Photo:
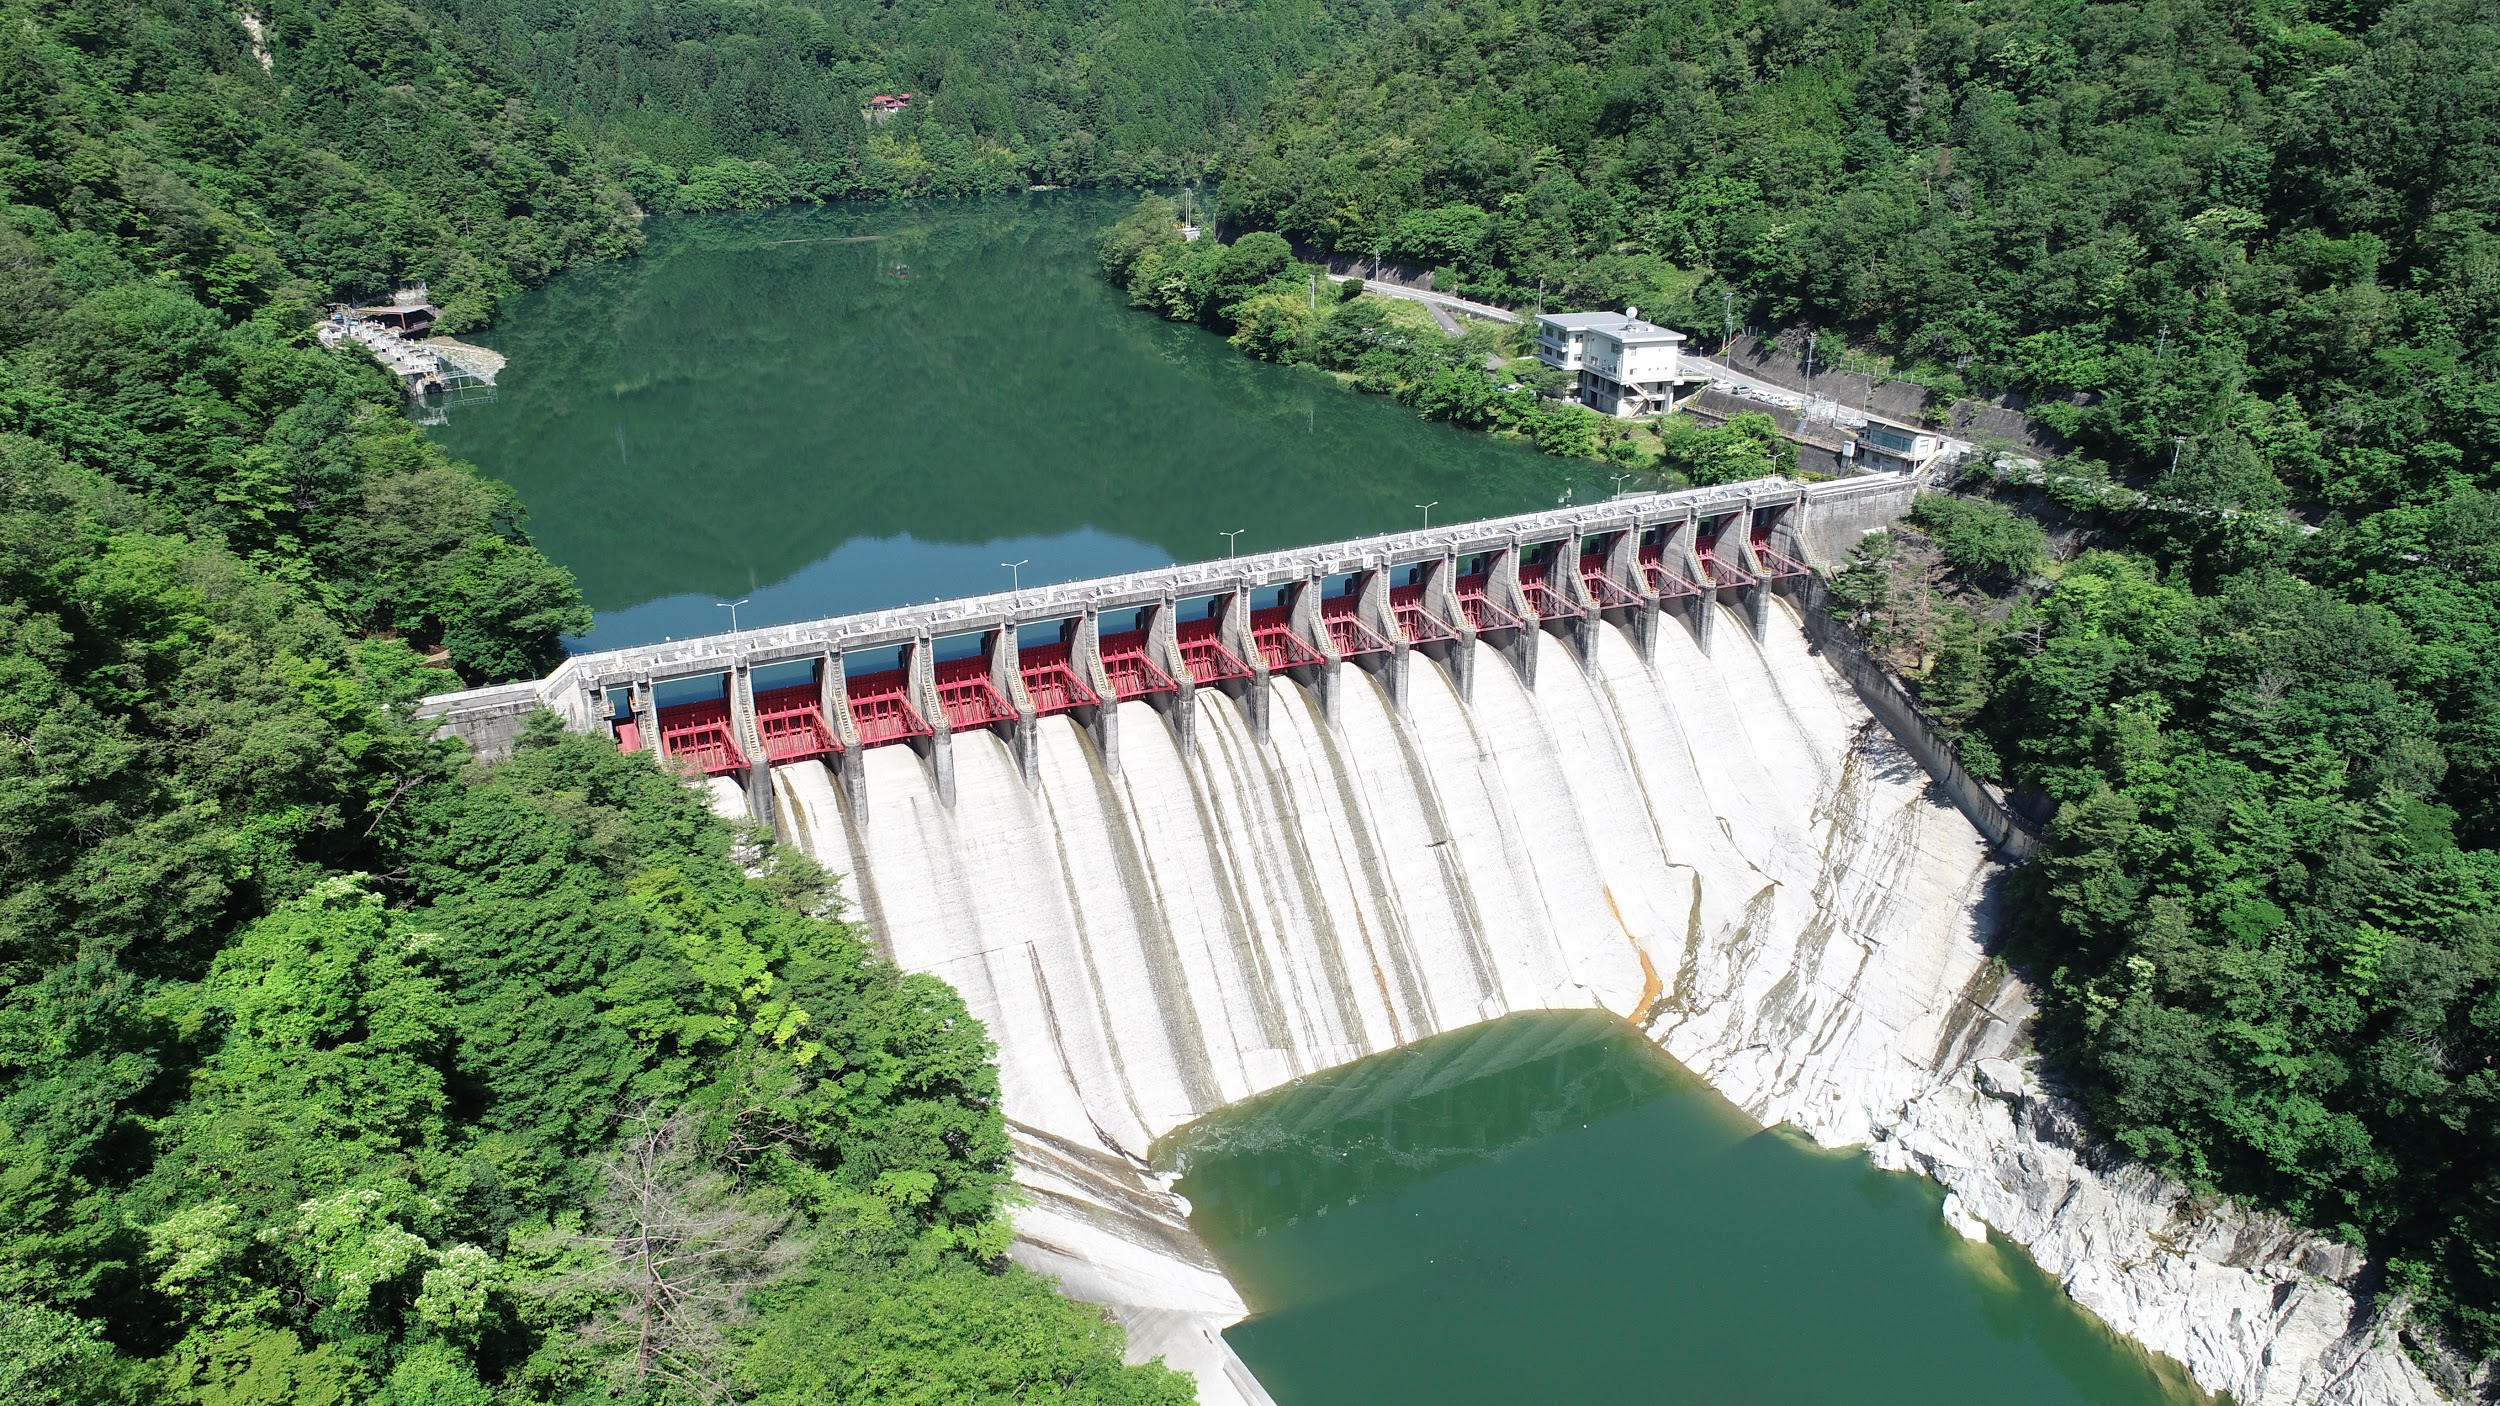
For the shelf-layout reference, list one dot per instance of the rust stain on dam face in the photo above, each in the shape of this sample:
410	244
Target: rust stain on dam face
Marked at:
1652	985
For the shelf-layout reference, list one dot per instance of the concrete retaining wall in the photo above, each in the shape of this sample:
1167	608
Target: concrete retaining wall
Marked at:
1900	400
1841	513
1911	725
490	719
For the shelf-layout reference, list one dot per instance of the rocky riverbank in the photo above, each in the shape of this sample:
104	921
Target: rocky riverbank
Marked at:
2252	1304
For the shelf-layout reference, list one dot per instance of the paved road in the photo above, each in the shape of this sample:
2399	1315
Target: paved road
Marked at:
1814	407
1442	304
1727	378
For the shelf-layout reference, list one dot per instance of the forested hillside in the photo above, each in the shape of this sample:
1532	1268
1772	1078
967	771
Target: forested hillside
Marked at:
710	104
334	1069
2246	256
2163	203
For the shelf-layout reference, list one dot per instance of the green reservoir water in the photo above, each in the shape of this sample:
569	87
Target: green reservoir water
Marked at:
761	407
1550	1209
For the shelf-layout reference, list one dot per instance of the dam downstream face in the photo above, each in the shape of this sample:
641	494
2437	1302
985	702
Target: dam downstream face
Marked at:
1715	844
1548	1207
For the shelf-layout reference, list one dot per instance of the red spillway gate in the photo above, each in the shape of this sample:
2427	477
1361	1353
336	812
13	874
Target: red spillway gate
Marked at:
1609	593
793	725
1421	625
1719	569
964	690
1481	611
699	735
1668	584
1536	582
1774	564
881	709
1132	674
1342	616
1272	631
1208	660
1051	680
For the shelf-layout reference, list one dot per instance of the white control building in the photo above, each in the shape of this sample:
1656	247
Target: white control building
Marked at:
1896	449
1626	367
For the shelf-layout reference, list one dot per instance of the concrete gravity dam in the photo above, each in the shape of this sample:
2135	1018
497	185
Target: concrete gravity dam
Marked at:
1185	836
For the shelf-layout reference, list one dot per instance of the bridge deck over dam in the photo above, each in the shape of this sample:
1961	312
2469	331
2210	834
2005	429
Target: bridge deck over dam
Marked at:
916	676
1577	759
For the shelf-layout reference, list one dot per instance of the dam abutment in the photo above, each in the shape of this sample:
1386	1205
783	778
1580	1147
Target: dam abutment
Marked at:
1910	724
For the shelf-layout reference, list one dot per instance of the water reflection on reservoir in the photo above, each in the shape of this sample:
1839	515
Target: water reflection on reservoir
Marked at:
1549	1208
756	407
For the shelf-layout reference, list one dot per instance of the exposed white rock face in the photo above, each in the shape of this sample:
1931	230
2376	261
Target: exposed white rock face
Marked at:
2252	1304
1723	847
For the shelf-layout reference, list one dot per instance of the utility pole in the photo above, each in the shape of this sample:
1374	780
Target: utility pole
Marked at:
1809	356
1727	328
2177	443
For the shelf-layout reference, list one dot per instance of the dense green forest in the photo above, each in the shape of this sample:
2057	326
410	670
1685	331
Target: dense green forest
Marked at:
738	104
2241	649
333	1068
149	141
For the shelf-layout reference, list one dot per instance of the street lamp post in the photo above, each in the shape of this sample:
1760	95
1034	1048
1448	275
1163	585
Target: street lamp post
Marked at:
1015	577
732	607
1230	538
1427	510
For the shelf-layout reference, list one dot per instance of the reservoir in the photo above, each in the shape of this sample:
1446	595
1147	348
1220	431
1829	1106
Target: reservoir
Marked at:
854	407
1549	1208
824	411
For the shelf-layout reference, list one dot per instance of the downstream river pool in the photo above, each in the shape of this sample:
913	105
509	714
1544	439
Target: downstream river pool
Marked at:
854	407
1549	1209
823	411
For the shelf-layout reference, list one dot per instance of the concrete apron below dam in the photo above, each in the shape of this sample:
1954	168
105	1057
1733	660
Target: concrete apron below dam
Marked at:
1723	847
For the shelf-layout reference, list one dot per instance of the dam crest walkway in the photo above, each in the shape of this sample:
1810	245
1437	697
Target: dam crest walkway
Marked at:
731	706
